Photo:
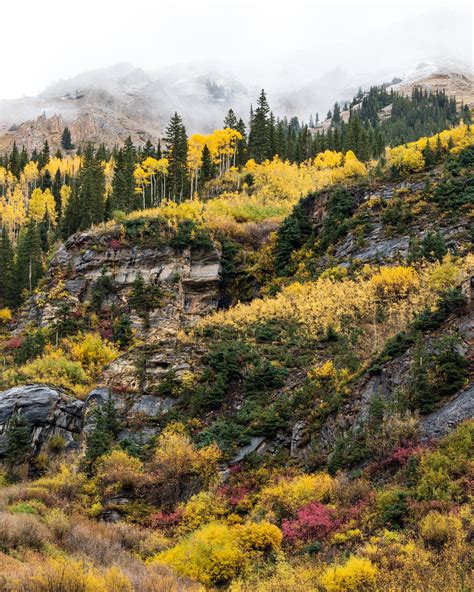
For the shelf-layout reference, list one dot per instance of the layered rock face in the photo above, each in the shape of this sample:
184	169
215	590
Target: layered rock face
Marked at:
189	279
49	412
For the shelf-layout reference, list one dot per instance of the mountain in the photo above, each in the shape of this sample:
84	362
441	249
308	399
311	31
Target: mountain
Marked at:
108	104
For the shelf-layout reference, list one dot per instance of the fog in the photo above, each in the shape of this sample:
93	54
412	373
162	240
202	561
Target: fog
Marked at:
280	45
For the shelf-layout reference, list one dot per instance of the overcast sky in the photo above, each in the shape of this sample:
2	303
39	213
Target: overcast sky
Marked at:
49	40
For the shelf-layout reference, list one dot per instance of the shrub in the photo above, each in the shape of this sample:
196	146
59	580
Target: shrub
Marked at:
217	553
203	507
179	468
356	575
286	496
5	316
314	522
66	574
392	507
120	469
439	529
259	537
66	483
210	555
57	522
22	530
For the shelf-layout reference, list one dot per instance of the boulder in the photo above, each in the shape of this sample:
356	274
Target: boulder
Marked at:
49	411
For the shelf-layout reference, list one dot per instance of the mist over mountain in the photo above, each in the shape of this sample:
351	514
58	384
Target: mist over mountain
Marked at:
107	104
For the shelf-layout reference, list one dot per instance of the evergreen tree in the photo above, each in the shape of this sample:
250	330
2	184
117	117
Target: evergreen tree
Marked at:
207	167
44	155
7	270
66	140
336	116
29	263
104	432
56	191
230	120
177	143
17	439
91	190
259	136
123	195
241	156
46	181
14	162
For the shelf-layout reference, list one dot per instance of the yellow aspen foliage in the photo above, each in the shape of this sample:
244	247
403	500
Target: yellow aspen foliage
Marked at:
40	204
405	159
13	211
341	305
65	193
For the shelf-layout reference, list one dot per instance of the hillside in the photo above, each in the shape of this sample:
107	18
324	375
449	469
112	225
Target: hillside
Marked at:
266	385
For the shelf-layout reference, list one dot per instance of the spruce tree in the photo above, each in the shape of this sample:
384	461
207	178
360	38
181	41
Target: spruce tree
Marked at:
230	120
177	144
207	167
259	135
17	439
91	190
123	195
66	140
29	263
44	155
7	270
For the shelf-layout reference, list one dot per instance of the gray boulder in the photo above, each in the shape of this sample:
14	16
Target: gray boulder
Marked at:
49	411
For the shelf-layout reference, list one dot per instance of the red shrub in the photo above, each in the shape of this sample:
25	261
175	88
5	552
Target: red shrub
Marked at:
166	521
14	343
314	522
115	244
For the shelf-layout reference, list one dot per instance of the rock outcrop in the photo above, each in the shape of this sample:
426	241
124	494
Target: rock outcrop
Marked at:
49	412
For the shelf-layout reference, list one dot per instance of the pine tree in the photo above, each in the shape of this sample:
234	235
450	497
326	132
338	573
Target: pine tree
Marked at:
7	270
241	156
123	195
17	439
336	115
230	120
106	428
29	264
259	136
44	155
207	167
91	190
177	144
56	191
14	162
66	140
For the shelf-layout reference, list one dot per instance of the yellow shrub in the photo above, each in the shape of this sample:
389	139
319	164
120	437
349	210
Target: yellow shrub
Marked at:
439	529
119	468
395	281
357	574
445	275
203	507
176	455
210	555
5	316
91	351
217	552
259	537
67	483
286	496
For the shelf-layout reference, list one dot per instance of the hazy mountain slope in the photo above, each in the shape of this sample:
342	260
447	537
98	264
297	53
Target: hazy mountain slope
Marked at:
108	104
